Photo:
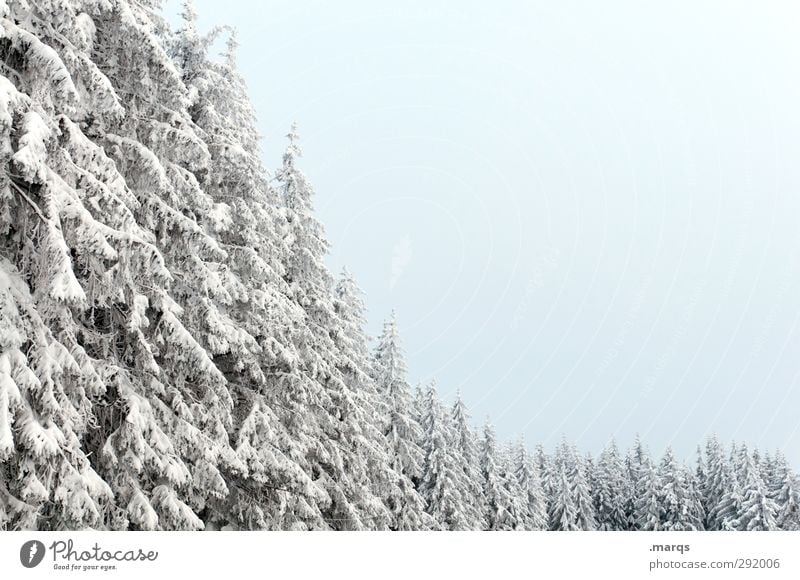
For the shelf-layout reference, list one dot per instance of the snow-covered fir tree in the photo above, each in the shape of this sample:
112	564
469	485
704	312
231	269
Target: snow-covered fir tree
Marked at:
714	483
571	506
260	355
466	446
529	480
443	484
611	490
788	497
758	511
562	513
500	507
695	513
518	497
724	513
402	431
581	492
333	436
103	279
677	499
648	513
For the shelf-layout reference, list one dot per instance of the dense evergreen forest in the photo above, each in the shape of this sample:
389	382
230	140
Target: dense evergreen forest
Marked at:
176	355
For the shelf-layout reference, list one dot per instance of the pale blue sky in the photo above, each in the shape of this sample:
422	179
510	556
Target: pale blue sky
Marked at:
584	213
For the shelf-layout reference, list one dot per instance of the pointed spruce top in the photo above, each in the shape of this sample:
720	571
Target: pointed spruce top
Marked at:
189	16
231	47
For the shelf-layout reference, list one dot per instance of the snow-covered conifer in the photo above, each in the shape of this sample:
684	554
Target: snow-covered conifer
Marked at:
724	513
402	432
442	483
610	490
648	513
530	484
788	499
111	350
327	383
677	500
466	446
499	514
758	511
562	510
585	518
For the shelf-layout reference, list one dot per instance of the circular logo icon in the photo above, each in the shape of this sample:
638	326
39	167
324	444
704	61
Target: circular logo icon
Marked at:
31	553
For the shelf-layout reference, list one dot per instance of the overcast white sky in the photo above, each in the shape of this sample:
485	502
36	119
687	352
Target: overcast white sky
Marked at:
585	213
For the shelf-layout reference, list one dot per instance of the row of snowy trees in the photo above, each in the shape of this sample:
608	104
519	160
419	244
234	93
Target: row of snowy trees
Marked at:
175	354
467	482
